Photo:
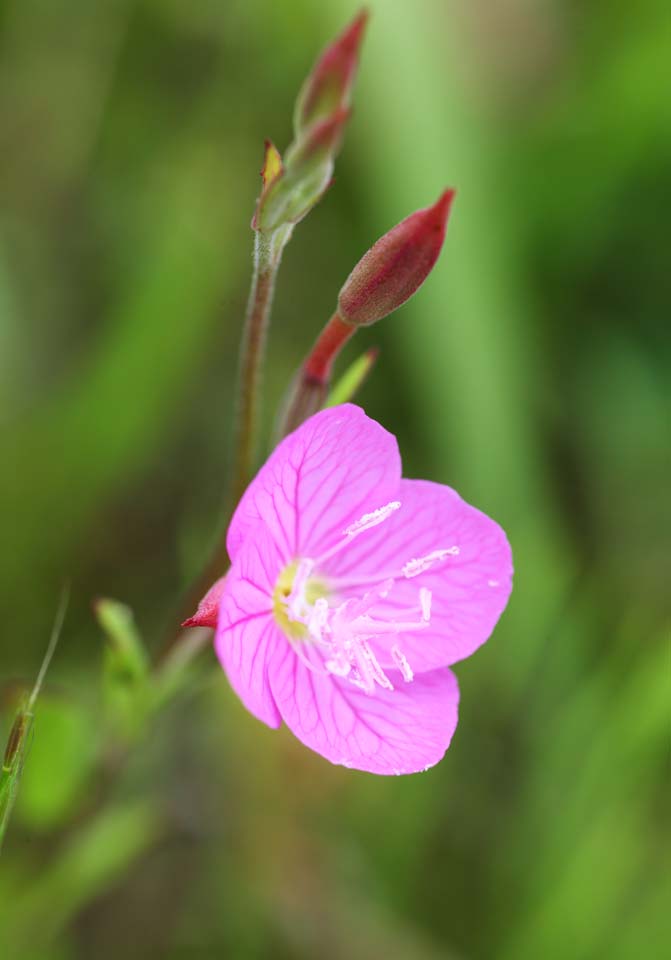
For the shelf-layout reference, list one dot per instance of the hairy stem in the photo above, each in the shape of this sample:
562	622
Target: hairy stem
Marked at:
267	256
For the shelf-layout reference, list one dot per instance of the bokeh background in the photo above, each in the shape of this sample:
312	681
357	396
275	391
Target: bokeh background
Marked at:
531	373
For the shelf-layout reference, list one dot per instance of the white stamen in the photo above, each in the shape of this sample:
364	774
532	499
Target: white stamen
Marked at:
377	673
364	523
317	621
371	519
420	564
402	663
425	603
336	639
365	678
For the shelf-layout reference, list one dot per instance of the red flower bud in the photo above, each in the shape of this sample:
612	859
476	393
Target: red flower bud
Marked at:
321	143
306	175
329	83
396	266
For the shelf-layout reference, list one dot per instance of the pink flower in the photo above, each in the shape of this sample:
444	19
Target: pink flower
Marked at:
350	593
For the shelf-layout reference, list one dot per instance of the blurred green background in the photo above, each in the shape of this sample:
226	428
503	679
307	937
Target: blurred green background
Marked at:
531	373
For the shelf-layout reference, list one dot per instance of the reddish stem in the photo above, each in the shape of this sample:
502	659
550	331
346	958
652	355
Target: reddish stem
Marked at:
330	342
312	383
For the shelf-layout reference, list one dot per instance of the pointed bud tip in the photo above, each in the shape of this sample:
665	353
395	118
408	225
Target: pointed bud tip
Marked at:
342	54
442	206
329	83
352	35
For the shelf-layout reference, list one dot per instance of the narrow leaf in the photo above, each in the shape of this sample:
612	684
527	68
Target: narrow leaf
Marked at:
352	379
15	752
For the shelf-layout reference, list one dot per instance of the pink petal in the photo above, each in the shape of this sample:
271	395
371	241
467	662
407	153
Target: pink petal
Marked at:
469	591
389	732
336	467
247	635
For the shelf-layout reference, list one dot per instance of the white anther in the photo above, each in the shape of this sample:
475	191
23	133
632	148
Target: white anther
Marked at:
402	663
425	603
317	621
376	671
420	564
371	519
296	599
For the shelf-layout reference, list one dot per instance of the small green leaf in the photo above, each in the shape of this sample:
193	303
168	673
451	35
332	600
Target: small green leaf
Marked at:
126	682
12	767
352	379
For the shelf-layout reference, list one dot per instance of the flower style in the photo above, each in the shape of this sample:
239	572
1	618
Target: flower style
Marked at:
350	593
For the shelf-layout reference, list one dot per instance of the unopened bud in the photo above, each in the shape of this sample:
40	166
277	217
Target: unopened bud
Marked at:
305	177
396	266
321	143
329	84
291	188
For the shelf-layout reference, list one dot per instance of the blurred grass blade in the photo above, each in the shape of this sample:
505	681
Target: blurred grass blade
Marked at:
17	742
353	378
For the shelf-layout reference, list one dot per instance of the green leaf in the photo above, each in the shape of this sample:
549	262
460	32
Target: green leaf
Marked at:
352	379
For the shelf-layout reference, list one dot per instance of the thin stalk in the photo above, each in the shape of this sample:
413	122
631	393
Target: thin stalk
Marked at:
267	256
311	386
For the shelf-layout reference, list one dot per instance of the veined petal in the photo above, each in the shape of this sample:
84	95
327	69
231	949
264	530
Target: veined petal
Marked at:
404	730
247	635
469	587
323	477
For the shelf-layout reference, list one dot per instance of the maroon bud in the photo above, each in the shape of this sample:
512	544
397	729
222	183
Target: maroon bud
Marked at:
329	83
396	266
321	143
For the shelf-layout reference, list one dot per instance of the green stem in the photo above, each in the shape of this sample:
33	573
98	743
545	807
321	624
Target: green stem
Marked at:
267	257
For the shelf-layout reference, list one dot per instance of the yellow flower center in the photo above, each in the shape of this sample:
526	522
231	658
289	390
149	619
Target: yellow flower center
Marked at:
314	589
